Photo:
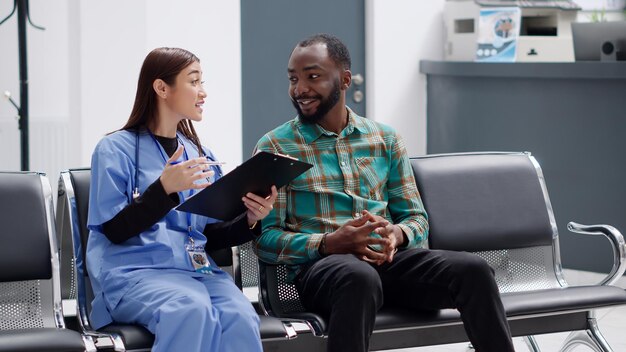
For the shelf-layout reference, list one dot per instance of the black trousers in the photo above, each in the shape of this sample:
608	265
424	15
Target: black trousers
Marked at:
348	292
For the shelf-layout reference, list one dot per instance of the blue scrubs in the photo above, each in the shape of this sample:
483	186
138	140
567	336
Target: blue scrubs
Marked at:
149	279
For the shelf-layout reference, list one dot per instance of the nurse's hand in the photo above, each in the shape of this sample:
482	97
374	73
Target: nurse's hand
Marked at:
181	176
259	207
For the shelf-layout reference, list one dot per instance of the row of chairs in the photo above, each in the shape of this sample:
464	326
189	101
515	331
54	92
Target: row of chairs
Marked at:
72	209
42	269
493	204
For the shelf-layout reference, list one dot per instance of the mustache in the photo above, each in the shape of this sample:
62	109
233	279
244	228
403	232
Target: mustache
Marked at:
307	97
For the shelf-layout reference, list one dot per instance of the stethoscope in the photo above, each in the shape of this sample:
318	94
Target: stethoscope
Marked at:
136	194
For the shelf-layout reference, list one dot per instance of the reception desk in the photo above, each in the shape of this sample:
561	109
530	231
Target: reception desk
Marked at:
570	116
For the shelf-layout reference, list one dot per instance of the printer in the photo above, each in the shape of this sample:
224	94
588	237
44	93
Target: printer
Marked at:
545	29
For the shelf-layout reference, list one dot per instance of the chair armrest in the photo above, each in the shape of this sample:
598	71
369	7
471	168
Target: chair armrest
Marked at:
617	244
305	326
297	323
270	306
116	341
86	330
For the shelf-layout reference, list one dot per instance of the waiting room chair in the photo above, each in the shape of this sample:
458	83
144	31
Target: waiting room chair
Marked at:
73	202
74	187
31	317
497	206
246	274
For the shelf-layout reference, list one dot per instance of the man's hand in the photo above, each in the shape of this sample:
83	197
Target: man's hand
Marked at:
393	233
354	237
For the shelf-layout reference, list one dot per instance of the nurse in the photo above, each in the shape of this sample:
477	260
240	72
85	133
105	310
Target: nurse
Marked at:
147	261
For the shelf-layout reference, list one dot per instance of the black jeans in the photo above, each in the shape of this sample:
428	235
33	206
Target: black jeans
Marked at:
348	292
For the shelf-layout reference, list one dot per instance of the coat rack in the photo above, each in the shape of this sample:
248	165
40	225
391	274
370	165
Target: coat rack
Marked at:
23	14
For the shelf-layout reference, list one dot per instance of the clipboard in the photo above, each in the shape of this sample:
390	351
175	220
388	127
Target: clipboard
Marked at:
222	199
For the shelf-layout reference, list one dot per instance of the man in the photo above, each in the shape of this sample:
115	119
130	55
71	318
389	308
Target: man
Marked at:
351	228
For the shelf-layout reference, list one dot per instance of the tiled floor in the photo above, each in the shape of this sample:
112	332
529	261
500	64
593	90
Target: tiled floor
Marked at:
612	323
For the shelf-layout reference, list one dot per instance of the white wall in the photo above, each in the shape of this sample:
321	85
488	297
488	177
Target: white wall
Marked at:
115	37
83	73
400	33
48	72
84	68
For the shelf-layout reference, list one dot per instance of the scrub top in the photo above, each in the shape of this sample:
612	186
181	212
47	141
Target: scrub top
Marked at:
116	268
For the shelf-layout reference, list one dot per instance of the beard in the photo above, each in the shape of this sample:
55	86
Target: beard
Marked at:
324	107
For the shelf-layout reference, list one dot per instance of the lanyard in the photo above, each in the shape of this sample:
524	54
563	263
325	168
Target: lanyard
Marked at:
135	185
180	194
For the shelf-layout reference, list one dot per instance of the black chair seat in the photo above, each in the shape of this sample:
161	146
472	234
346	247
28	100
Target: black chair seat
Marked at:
396	318
551	301
41	340
557	300
392	318
571	299
135	337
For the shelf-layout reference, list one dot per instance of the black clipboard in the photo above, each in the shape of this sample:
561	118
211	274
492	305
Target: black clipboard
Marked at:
222	199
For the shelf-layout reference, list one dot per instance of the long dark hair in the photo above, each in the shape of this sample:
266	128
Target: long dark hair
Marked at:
165	64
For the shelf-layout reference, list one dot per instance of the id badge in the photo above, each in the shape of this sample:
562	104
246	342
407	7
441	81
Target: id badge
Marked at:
199	259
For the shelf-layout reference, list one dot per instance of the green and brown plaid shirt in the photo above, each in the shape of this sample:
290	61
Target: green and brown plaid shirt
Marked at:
365	167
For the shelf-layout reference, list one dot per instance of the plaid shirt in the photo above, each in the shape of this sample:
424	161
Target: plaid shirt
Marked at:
365	167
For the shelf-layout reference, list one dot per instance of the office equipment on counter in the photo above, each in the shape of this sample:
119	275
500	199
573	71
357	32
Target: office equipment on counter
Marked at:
601	41
545	29
498	32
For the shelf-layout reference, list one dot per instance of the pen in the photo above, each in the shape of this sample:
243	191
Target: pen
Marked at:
213	162
210	163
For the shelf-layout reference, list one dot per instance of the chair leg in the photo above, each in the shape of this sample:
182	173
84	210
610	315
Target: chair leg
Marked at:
531	343
592	338
597	337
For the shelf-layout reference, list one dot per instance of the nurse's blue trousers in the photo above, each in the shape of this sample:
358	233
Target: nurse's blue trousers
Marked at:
191	313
